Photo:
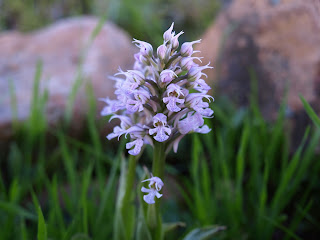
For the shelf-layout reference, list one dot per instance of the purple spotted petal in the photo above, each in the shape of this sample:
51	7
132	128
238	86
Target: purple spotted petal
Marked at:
204	129
190	123
172	103
137	144
134	106
160	117
162	133
149	198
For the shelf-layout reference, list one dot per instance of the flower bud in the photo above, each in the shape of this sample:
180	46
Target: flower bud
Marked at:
175	42
187	49
167	76
168	35
195	72
187	62
162	52
146	49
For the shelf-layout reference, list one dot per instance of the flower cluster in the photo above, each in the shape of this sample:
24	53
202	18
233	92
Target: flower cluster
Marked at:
163	98
155	186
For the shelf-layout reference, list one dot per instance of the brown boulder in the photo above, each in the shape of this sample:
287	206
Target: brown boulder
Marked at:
278	41
59	48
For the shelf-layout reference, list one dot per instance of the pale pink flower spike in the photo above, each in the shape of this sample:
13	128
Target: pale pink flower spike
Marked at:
163	98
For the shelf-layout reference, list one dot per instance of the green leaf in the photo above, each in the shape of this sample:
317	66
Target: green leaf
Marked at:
23	230
14	191
240	166
283	228
125	209
56	207
17	210
80	236
204	233
311	113
13	105
107	193
42	228
84	203
68	162
79	74
169	227
143	232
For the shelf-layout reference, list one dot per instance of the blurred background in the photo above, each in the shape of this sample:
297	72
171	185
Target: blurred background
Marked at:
141	19
257	172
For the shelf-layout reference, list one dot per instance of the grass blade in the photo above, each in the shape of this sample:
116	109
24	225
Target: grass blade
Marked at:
311	113
17	210
42	228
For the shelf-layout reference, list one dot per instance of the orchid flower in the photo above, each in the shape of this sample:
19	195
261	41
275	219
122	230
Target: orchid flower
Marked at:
160	128
155	186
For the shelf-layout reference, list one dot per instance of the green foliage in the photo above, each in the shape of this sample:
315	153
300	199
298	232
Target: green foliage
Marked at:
203	233
244	177
32	14
124	222
75	200
42	229
313	116
143	19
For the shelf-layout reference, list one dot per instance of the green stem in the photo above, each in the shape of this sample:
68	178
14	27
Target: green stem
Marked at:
153	215
159	158
130	180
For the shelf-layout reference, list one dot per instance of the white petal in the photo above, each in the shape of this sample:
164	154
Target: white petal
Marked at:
146	190
176	143
149	198
158	195
205	129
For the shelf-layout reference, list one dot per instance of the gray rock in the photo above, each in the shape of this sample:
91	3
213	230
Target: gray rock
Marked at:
59	47
279	43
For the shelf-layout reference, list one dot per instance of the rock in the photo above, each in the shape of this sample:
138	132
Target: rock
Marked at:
59	47
278	41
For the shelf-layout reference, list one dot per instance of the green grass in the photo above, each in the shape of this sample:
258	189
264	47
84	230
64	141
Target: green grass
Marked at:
53	185
143	19
242	176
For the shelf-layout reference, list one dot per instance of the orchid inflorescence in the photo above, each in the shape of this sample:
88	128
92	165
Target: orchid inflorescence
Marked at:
162	98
